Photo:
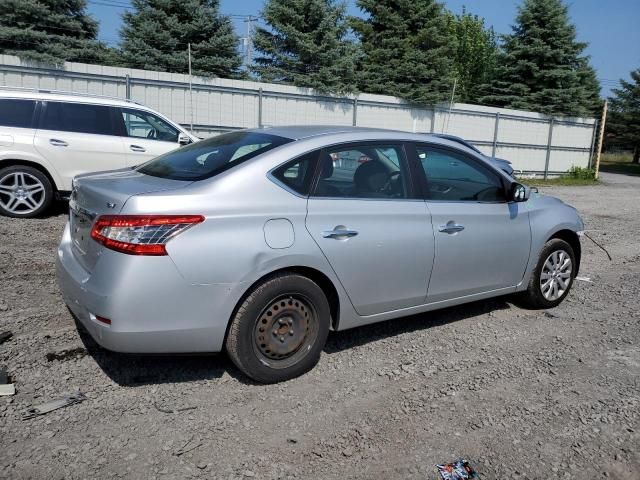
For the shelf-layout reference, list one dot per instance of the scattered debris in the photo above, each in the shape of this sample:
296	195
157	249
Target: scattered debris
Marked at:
173	410
66	354
458	470
603	249
184	448
6	388
54	405
584	279
4	336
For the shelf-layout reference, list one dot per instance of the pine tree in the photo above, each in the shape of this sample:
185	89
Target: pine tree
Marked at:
541	68
50	31
476	53
623	127
408	50
156	35
306	45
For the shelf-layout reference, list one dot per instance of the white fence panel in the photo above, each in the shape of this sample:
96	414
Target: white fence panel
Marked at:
221	105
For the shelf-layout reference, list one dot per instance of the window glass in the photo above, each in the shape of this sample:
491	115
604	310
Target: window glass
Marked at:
78	117
363	171
140	124
211	156
297	174
456	178
16	113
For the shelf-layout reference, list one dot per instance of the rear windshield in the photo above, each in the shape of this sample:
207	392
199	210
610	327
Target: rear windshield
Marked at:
209	157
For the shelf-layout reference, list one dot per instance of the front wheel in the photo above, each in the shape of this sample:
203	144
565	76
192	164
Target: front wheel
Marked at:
553	276
280	329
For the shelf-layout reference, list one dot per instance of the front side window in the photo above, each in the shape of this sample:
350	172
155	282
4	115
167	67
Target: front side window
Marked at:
363	171
453	177
140	124
212	156
78	117
16	113
298	174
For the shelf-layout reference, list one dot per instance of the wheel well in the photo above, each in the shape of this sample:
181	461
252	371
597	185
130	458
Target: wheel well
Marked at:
27	163
572	239
311	273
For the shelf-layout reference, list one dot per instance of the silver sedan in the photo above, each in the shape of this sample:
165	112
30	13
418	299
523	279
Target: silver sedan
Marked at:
259	242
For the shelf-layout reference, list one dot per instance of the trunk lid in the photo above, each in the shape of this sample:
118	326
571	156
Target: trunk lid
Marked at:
105	193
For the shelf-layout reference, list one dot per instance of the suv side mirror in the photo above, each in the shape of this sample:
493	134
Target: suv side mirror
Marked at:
519	192
183	140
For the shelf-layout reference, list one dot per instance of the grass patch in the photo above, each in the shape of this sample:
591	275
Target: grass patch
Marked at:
619	163
576	176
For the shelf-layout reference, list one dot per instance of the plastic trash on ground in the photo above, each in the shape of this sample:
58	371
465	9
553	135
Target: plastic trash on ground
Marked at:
458	470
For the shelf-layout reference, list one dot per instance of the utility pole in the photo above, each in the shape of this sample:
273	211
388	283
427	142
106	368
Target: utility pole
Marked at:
453	94
249	19
190	90
599	151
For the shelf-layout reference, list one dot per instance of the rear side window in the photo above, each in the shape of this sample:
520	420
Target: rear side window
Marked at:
16	113
210	157
78	117
298	174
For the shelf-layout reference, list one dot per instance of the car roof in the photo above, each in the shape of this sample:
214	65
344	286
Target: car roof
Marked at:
44	94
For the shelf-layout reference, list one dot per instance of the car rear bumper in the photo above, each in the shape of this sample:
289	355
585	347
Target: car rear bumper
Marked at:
152	308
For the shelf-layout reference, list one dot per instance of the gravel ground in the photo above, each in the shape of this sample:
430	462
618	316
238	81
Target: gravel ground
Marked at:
520	394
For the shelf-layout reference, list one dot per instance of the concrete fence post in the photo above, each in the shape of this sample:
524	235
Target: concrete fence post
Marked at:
433	120
127	84
495	135
260	107
546	163
354	121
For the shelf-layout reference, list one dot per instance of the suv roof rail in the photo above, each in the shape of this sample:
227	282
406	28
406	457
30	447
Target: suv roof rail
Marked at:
66	92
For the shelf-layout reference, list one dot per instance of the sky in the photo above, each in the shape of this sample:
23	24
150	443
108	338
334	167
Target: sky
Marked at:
610	27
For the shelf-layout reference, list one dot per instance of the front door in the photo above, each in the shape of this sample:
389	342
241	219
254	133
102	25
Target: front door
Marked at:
146	135
377	238
482	242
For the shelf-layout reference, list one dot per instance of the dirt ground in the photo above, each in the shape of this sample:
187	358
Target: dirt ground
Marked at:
520	394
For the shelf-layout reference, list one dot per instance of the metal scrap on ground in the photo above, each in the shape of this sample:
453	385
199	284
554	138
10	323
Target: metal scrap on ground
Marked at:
54	405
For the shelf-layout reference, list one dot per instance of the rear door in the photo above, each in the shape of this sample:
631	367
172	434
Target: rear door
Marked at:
79	138
146	135
482	242
370	225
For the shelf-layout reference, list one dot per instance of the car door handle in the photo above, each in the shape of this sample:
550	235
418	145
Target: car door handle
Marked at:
339	233
450	227
58	143
137	148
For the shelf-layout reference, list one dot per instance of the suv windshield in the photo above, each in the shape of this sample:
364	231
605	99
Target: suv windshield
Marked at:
212	156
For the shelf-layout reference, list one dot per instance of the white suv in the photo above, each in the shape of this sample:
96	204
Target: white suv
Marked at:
47	138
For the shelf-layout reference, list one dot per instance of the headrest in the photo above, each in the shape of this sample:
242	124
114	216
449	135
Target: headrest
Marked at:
326	166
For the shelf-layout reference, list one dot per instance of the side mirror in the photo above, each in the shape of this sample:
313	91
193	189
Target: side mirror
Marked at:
183	140
519	192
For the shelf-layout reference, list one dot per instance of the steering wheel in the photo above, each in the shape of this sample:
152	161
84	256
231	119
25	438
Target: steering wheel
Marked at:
153	133
387	187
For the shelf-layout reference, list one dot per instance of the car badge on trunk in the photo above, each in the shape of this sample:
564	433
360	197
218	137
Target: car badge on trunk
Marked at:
111	205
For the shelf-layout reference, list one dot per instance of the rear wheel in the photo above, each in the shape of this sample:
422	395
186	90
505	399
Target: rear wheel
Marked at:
280	329
25	192
553	276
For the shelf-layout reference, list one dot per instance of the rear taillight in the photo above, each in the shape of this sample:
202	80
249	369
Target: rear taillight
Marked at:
140	234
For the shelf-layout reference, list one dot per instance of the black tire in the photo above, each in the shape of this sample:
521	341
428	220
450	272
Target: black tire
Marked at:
286	312
42	198
533	297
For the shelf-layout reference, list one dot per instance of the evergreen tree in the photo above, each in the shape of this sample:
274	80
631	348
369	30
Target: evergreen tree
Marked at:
623	126
541	68
475	57
306	45
408	50
50	31
155	37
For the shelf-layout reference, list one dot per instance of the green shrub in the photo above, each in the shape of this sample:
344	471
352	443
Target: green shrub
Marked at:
582	173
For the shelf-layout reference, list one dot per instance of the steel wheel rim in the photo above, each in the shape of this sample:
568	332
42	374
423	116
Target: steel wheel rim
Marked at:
21	193
285	330
555	276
